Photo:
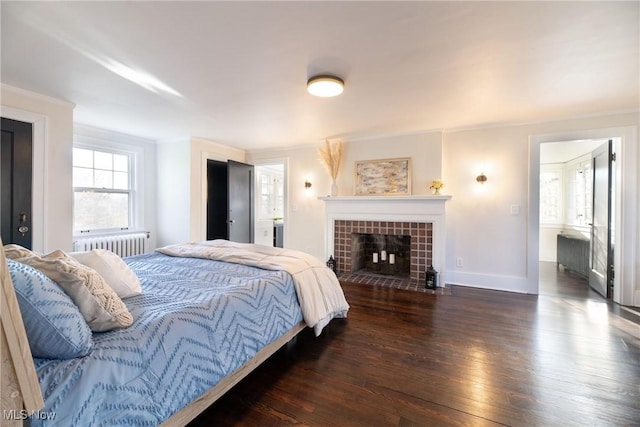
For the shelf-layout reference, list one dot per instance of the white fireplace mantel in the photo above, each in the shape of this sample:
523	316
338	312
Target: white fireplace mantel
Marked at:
428	209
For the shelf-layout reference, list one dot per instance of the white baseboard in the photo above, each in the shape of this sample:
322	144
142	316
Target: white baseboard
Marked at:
518	284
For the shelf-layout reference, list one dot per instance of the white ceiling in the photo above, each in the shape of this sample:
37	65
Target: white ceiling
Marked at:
236	72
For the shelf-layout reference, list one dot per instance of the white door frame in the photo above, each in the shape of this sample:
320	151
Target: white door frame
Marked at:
626	209
39	167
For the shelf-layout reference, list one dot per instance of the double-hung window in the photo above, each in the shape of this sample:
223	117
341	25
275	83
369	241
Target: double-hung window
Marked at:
103	190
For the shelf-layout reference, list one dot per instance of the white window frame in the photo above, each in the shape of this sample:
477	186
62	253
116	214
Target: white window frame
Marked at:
130	191
112	142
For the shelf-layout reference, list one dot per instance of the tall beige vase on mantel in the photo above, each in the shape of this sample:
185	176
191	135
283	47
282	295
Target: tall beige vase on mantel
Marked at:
331	156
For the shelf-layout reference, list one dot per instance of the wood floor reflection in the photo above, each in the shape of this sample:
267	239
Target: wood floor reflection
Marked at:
475	357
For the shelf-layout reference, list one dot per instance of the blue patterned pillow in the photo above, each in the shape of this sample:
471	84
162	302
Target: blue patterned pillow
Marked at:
55	327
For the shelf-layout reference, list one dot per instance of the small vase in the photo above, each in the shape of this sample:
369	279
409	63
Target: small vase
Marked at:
334	188
436	191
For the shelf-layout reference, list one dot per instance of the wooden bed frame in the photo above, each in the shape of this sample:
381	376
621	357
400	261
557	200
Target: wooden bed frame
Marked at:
20	389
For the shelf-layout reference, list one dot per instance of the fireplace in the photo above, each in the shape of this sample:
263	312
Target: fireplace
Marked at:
417	220
356	242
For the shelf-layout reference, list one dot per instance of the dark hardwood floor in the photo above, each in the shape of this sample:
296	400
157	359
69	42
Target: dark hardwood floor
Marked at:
475	357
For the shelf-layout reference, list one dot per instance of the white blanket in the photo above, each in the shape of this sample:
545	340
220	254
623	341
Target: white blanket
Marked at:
319	292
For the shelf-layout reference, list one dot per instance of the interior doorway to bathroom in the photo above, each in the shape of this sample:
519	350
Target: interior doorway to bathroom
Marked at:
271	185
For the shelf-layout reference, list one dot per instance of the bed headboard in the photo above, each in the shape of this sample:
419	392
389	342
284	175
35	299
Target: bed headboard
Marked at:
20	387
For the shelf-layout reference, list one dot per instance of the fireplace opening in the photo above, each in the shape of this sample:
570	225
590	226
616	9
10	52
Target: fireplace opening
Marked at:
381	254
420	256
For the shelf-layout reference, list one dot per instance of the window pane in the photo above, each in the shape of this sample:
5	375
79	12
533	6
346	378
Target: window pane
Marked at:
549	196
83	158
120	163
121	180
103	160
82	177
104	179
95	210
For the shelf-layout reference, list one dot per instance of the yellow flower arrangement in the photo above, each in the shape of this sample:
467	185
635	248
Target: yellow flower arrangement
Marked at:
436	185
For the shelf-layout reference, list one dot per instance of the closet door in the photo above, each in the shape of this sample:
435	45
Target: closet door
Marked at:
217	227
15	182
241	202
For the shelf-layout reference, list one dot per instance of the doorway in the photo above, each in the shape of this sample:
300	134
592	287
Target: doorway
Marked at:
271	185
624	209
567	214
230	201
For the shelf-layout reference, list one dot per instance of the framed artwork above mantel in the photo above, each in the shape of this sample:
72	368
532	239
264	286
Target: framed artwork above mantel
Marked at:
384	177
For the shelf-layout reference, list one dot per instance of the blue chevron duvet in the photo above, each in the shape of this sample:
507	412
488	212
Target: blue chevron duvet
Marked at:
196	321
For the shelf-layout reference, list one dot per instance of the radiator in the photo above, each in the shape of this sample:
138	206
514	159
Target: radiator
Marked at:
573	254
126	244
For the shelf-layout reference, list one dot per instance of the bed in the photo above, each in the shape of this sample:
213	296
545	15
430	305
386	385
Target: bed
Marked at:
207	315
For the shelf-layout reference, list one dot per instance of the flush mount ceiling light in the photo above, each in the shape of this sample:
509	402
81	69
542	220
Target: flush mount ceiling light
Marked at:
325	86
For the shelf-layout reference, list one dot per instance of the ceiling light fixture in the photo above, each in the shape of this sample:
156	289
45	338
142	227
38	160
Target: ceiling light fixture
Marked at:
325	86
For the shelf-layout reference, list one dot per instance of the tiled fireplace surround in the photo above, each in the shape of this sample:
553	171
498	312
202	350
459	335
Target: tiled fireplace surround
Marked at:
421	217
421	234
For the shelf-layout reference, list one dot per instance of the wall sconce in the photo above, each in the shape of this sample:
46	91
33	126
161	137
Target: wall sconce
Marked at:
307	185
482	178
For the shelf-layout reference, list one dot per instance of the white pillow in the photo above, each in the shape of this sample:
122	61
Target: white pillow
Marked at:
113	270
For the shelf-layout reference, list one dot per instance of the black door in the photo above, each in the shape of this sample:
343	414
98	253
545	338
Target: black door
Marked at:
16	152
230	205
217	199
601	257
241	204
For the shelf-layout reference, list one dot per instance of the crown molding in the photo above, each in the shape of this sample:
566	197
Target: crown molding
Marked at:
35	95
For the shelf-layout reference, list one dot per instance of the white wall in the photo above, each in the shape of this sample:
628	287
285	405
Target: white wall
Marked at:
174	196
480	227
548	242
52	195
424	149
182	187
